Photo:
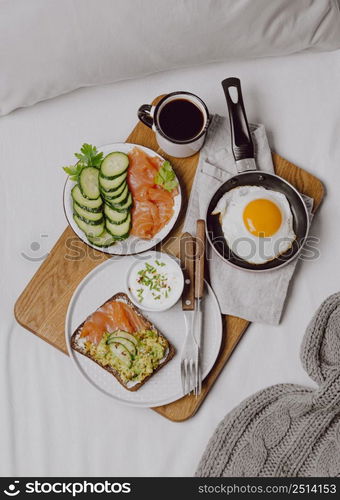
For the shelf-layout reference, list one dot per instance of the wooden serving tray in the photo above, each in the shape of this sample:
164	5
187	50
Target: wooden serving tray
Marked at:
42	306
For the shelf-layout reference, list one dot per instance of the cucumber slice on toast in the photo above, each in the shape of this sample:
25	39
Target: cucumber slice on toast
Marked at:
114	164
124	335
89	183
122	353
126	343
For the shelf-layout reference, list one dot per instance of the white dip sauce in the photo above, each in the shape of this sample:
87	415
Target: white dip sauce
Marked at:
156	283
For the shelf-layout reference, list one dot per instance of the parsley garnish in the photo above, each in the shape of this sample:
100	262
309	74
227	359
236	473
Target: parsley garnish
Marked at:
88	157
166	177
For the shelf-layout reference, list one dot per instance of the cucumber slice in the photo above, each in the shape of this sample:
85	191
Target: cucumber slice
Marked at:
122	197
124	335
126	343
110	185
114	216
86	215
121	207
122	353
115	193
89	222
111	195
90	205
114	164
119	231
89	229
104	240
89	183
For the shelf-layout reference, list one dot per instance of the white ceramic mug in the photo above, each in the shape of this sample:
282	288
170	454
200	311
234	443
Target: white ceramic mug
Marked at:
149	115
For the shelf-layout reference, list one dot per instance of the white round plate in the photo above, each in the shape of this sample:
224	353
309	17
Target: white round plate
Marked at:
132	245
167	258
164	386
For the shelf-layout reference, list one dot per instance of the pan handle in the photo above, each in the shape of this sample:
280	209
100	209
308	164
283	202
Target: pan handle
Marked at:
241	141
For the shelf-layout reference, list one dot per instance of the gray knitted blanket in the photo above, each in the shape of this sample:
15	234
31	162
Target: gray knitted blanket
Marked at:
286	429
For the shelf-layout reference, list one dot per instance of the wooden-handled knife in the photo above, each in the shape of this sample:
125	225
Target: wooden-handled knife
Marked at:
187	256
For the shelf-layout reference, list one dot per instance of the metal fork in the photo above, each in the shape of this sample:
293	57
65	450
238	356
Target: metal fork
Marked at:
190	351
189	360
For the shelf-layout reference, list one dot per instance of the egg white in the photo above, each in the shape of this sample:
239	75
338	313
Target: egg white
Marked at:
251	248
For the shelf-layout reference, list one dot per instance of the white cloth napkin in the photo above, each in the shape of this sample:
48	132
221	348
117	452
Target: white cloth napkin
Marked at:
257	297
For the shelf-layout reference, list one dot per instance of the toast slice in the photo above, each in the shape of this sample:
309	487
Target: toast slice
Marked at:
79	344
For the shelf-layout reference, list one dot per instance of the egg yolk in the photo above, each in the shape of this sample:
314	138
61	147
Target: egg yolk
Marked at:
262	218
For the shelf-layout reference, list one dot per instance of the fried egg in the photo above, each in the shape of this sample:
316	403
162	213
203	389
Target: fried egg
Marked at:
257	223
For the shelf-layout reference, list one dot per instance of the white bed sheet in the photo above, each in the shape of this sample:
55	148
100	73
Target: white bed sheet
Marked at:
52	422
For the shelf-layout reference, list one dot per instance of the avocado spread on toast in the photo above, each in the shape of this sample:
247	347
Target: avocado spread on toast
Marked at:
133	356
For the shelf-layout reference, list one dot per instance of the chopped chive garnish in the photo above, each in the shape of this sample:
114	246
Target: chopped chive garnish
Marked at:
155	281
140	292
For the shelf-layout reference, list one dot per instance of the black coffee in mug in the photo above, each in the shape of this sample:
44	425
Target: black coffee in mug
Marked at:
181	120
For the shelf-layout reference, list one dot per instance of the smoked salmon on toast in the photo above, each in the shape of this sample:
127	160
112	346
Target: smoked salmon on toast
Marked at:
122	341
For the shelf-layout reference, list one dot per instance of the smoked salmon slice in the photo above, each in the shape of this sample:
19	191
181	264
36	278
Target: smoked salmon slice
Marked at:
153	205
92	331
145	219
164	201
142	170
138	323
114	315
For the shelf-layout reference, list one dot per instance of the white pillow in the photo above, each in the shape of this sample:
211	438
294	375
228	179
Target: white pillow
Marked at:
49	47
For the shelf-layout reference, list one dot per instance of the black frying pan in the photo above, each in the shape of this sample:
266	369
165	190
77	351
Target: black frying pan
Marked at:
248	175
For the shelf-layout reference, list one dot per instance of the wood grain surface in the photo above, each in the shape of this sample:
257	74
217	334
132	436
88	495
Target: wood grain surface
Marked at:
42	306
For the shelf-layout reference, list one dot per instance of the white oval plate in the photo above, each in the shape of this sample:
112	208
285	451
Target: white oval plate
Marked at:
132	245
164	386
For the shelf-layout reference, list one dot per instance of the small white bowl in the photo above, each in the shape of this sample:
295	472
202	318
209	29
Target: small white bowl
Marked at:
177	290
